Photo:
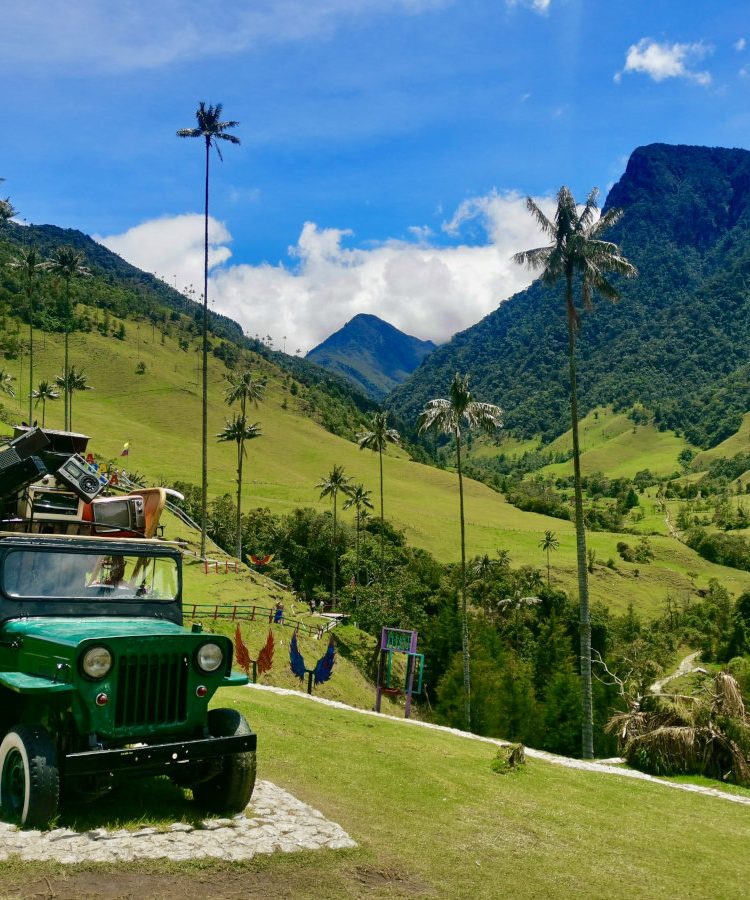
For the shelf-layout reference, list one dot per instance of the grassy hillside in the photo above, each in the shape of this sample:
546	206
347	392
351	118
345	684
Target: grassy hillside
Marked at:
159	414
611	443
432	819
739	442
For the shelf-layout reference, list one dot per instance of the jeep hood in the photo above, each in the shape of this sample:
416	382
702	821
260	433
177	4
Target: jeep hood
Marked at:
71	632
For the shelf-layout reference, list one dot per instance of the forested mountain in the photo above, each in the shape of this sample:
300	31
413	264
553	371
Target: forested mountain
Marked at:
678	340
372	354
118	290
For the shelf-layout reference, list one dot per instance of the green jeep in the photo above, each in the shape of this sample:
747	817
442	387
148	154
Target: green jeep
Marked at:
99	679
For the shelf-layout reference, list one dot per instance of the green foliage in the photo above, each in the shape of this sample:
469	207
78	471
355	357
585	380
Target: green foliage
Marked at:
677	341
725	549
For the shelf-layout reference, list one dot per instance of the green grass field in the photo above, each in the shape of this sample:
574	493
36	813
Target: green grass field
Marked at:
611	443
159	414
736	443
432	819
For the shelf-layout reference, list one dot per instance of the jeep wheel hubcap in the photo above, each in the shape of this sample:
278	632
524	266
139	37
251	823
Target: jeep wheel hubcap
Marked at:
14	782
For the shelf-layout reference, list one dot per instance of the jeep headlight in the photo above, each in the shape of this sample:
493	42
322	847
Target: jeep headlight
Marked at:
96	662
209	657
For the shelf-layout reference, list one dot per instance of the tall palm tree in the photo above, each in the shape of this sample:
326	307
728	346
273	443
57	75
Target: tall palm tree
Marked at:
212	130
30	264
67	263
243	388
239	431
548	543
377	438
44	392
576	252
330	486
7	210
448	416
359	498
74	381
6	383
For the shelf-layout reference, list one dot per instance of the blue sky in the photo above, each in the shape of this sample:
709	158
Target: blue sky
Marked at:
386	144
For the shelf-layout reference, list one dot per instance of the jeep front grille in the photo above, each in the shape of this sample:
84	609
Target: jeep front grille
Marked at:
152	689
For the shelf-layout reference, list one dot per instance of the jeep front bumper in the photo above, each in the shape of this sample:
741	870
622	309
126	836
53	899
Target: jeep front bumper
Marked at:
156	758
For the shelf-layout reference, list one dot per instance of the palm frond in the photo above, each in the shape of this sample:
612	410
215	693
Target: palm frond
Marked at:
542	220
533	259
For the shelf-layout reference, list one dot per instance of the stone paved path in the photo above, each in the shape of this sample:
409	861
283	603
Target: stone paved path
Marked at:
279	822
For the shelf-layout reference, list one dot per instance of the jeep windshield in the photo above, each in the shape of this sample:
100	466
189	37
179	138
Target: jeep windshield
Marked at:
49	574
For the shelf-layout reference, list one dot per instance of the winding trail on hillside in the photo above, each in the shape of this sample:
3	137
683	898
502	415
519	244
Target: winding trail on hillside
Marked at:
685	668
602	768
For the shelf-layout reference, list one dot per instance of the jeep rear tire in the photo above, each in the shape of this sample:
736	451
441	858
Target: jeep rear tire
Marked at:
29	777
230	790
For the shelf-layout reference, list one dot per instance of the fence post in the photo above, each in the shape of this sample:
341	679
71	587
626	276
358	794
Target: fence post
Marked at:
216	613
252	615
234	612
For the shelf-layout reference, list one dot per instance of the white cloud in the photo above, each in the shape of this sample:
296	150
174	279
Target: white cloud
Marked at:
662	61
740	44
539	6
425	290
172	247
148	34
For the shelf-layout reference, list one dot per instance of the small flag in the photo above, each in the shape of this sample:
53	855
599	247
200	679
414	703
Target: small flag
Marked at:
125	448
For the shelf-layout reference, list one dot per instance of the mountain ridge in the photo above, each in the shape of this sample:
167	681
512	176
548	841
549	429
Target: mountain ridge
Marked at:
373	354
676	341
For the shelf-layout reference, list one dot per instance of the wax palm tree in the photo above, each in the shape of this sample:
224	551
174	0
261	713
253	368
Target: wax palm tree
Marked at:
29	264
212	130
448	415
359	498
6	383
376	438
67	263
44	392
238	430
548	543
7	211
74	381
243	388
576	251
330	486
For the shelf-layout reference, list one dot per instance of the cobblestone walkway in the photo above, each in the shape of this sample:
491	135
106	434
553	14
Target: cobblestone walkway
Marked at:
279	822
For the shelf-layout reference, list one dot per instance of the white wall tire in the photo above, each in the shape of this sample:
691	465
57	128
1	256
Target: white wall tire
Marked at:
29	776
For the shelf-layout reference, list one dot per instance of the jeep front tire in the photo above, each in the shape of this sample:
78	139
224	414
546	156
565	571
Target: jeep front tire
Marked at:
29	777
230	790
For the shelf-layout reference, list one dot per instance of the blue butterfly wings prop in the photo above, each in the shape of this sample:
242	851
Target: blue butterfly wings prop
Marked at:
296	660
323	668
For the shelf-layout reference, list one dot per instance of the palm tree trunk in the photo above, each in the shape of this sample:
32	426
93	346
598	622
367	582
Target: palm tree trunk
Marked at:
31	365
356	569
382	524
238	538
44	407
333	567
587	728
204	410
65	361
464	613
548	576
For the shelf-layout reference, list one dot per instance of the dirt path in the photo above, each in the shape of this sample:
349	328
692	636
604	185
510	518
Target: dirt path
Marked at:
685	668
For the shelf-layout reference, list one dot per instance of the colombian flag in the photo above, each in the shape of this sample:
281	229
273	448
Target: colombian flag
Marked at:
125	448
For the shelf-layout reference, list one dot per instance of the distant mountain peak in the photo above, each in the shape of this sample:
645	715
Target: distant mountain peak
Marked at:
371	353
